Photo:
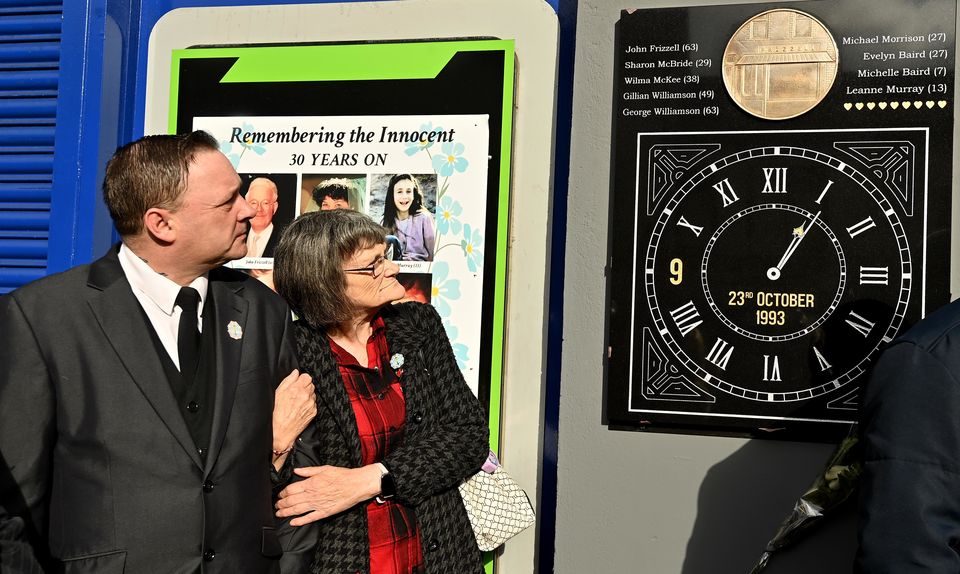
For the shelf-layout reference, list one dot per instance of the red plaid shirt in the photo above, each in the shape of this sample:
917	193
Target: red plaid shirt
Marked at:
379	407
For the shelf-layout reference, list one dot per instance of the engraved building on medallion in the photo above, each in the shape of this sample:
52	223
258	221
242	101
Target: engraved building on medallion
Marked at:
780	64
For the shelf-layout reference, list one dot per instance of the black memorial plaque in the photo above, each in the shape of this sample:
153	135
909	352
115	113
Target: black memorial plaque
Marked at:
780	208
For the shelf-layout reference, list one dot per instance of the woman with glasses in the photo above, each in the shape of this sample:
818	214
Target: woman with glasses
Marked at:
405	217
374	484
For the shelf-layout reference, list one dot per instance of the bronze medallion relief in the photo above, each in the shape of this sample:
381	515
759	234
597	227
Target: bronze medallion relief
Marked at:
780	64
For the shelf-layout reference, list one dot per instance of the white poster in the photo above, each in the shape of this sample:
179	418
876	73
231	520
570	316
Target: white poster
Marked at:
424	177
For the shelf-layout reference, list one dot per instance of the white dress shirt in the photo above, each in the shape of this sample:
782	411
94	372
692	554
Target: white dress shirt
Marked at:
157	295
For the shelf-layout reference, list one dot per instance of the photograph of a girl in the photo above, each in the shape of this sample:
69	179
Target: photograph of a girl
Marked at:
407	218
323	191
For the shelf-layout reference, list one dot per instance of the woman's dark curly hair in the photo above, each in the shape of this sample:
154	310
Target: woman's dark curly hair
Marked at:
390	207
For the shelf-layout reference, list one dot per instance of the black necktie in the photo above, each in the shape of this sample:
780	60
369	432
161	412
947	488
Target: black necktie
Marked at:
188	337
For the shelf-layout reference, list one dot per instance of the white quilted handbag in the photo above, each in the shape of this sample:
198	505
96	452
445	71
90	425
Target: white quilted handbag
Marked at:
496	505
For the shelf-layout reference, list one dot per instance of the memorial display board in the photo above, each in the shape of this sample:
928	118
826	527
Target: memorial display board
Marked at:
358	126
780	208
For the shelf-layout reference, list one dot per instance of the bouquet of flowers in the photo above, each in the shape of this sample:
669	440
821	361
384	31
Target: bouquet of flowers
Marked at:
832	487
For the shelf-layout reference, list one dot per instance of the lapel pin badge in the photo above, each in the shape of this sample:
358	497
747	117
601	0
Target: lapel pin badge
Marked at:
396	362
234	330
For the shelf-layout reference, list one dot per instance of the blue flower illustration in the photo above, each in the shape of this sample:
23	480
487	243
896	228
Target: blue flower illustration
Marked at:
423	144
226	148
447	212
449	159
460	351
234	153
444	289
471	243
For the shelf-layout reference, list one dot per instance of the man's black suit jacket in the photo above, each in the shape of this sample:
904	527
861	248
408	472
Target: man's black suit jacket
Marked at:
98	458
16	555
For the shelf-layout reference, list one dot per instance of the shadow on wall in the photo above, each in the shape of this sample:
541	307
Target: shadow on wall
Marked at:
742	502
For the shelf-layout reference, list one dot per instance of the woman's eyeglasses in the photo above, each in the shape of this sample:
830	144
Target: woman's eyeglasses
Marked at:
375	269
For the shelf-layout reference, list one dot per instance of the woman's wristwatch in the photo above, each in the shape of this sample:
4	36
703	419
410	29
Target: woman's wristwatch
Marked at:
388	488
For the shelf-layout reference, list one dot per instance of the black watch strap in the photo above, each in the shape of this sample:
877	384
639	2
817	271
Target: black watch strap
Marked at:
388	487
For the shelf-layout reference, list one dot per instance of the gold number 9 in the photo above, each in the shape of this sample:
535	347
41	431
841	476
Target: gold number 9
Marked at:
676	271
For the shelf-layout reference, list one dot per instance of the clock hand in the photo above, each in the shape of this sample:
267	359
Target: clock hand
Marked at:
799	233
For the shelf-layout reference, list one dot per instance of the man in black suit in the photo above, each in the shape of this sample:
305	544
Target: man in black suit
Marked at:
136	392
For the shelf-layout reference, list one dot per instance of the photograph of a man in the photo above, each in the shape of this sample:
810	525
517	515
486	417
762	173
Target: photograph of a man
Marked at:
262	239
137	392
273	199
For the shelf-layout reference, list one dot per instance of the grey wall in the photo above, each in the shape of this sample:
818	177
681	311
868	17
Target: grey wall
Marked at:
649	502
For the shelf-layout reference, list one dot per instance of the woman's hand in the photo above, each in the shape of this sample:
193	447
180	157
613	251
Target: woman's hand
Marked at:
327	490
295	405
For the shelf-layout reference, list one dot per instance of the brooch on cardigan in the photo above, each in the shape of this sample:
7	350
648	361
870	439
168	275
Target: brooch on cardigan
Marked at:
396	363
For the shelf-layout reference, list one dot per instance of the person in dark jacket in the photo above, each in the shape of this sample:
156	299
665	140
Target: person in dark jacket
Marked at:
910	428
397	427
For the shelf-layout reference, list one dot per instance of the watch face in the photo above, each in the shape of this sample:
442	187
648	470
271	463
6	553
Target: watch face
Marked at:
388	487
775	273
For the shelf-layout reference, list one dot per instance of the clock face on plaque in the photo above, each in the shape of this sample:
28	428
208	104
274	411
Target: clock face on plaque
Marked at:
775	273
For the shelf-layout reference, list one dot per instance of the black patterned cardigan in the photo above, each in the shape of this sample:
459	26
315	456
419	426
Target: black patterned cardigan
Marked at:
445	440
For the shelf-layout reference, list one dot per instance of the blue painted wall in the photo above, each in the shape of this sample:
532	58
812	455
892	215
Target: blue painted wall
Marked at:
102	88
